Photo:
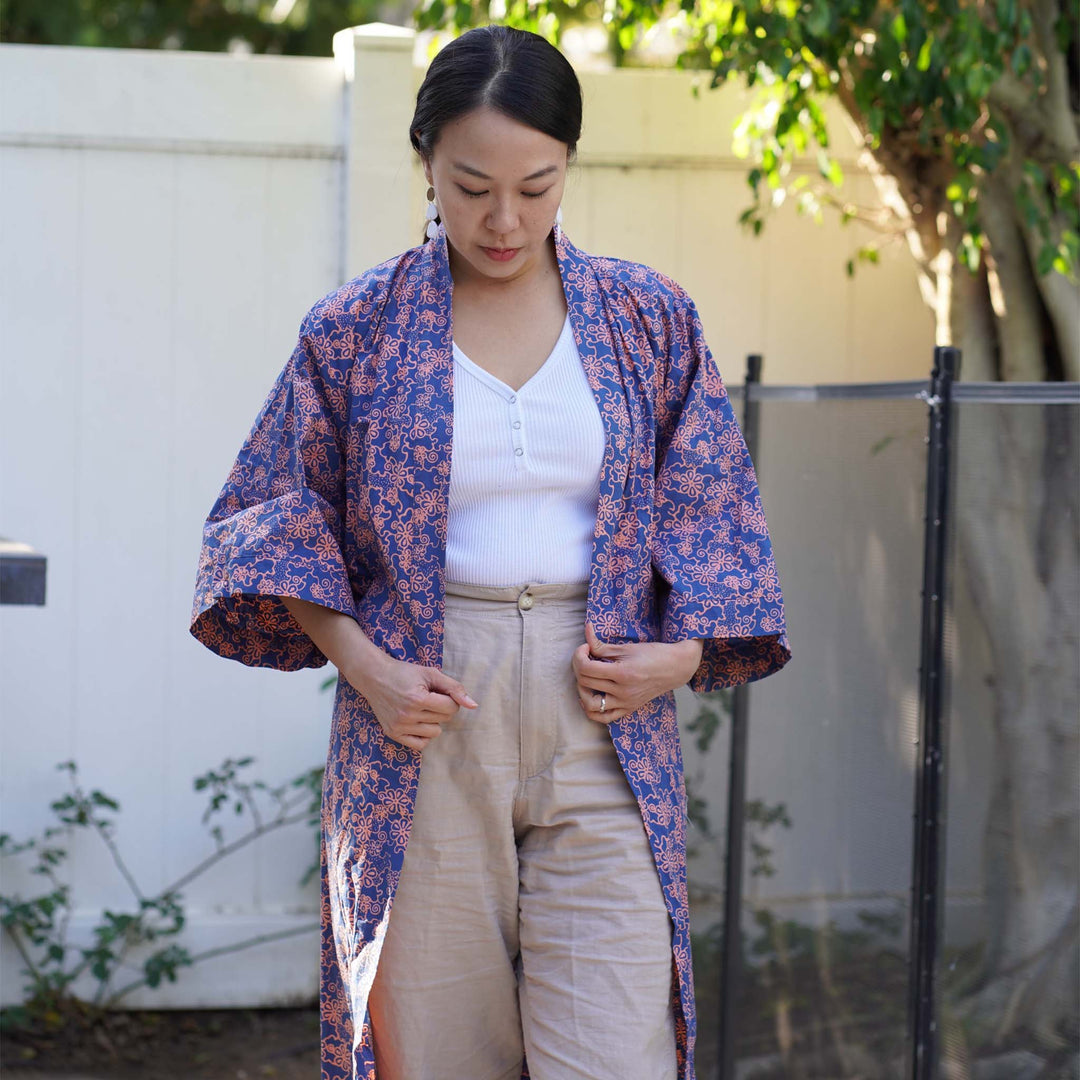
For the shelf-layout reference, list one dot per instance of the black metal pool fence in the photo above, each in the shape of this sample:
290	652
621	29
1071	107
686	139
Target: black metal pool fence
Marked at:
892	890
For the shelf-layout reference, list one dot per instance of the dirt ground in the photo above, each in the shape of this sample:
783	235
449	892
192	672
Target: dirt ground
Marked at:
195	1044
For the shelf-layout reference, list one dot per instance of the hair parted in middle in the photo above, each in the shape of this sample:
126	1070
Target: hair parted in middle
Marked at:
516	72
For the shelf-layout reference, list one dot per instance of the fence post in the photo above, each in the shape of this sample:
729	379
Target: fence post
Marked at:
928	847
380	213
731	960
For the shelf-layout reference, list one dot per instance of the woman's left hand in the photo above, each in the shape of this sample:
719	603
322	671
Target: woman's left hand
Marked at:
614	680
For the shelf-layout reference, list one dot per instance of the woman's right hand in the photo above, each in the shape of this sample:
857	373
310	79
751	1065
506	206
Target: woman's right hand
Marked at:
410	701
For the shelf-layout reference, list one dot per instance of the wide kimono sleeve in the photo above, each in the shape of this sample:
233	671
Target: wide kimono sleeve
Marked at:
276	527
712	546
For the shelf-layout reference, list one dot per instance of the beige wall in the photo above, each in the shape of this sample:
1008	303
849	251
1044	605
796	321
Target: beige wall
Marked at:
659	183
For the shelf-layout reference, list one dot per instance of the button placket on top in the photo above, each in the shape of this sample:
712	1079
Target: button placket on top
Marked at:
516	417
517	430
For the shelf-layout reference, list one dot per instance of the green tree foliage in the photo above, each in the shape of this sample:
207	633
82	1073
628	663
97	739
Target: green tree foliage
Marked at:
304	27
971	111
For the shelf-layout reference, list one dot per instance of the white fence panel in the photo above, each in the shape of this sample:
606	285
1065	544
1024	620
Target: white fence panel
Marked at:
166	219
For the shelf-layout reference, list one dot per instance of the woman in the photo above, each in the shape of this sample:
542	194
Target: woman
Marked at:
510	620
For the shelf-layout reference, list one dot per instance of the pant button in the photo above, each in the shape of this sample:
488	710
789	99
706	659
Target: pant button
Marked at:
525	601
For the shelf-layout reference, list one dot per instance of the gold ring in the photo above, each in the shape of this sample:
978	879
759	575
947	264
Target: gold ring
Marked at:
603	702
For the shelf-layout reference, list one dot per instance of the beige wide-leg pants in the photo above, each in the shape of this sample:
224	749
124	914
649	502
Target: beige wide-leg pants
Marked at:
529	918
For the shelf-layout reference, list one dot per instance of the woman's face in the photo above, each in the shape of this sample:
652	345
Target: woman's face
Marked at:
498	184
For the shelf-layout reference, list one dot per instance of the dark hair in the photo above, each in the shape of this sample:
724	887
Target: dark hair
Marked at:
515	72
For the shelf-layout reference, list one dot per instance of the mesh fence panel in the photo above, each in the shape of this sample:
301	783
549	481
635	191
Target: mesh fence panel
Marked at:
831	755
1010	968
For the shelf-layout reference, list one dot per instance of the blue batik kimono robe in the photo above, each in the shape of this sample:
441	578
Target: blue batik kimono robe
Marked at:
339	496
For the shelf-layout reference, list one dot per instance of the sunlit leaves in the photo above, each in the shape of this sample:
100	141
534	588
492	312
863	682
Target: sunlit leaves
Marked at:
867	253
830	168
922	63
916	76
898	28
1046	195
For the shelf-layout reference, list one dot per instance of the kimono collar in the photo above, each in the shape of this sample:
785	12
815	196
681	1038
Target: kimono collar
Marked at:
596	331
424	418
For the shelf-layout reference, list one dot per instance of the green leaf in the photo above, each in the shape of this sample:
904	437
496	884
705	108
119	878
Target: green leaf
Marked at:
784	122
1036	172
899	28
977	82
1006	14
923	61
1021	58
875	118
817	22
1063	32
817	122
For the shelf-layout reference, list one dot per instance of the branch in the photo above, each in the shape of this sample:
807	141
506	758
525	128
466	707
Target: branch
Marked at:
102	831
1062	118
845	93
245	793
31	967
1019	327
1024	110
875	218
219	951
228	849
1058	293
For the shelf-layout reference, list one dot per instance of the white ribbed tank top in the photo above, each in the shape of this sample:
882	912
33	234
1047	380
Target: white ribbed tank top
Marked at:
524	472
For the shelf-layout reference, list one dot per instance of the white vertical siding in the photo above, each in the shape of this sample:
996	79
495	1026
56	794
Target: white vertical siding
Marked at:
166	219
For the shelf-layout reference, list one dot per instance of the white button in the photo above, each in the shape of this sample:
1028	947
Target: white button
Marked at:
517	423
525	601
513	398
519	451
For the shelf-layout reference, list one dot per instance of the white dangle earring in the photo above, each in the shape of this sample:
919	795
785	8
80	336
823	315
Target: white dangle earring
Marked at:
558	218
431	214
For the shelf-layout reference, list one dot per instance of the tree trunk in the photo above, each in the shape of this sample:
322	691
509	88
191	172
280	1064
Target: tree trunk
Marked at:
1019	552
1018	549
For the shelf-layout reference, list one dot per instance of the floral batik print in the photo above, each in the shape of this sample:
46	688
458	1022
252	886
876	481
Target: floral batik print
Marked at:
339	496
